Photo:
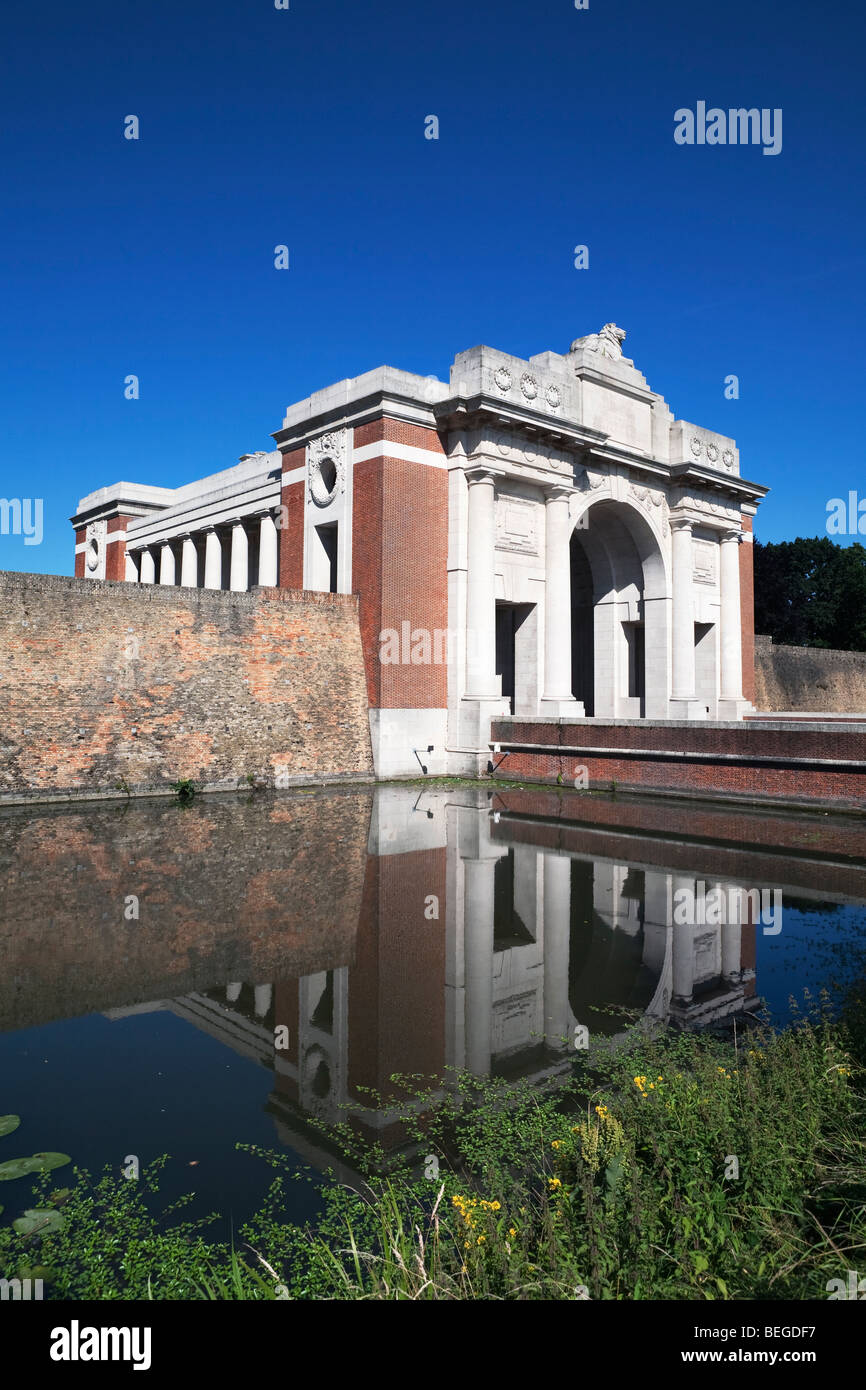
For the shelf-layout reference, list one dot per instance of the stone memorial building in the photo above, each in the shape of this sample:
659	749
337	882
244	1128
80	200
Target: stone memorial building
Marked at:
538	537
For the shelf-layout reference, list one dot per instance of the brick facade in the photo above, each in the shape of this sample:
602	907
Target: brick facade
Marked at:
399	561
292	525
115	551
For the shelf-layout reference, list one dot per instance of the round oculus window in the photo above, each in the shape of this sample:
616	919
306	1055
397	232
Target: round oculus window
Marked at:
323	480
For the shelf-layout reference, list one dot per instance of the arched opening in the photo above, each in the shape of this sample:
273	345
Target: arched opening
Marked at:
620	618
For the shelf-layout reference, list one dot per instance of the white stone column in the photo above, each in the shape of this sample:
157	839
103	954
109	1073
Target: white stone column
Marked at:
268	551
731	702
189	563
682	617
233	992
262	997
732	935
148	567
131	568
166	564
213	559
240	563
557	698
683	942
482	683
478	962
556	938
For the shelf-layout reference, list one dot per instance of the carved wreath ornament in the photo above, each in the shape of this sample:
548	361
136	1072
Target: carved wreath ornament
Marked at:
327	468
95	537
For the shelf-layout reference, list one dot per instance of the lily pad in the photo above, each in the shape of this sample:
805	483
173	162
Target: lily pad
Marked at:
15	1168
41	1223
37	1163
45	1162
8	1124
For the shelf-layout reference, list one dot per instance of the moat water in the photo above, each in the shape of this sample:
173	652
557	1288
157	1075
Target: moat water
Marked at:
178	978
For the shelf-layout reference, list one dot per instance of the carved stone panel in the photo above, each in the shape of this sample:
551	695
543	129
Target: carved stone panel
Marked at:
705	555
517	525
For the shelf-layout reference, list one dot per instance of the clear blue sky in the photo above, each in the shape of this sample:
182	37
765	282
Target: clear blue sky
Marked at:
306	127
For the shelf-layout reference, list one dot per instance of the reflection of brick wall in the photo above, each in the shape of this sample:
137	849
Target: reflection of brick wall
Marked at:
279	903
216	685
703	758
399	559
397	985
708	841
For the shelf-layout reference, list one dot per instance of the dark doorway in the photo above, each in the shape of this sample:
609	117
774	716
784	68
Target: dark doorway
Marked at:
510	643
508	926
634	636
505	650
328	538
582	628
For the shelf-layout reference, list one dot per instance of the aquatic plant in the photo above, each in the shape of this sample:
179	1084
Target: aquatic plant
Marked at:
13	1168
618	1184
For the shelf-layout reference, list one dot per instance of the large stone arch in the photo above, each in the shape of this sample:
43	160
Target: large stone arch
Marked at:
620	602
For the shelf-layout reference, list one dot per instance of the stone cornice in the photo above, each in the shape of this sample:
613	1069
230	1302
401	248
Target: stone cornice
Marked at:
460	413
690	474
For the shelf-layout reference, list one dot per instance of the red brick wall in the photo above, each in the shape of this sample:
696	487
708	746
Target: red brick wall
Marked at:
80	538
689	772
399	561
115	554
291	535
747	610
216	685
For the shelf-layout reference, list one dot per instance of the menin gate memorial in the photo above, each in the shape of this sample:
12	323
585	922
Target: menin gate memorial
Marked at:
538	537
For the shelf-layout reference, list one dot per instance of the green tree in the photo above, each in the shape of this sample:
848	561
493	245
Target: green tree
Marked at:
811	593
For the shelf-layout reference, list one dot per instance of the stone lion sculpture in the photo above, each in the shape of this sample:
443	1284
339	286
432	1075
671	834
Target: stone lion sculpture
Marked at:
608	342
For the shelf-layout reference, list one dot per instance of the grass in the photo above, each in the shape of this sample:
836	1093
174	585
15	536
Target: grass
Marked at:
686	1168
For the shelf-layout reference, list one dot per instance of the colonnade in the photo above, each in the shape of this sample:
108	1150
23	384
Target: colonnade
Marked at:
195	559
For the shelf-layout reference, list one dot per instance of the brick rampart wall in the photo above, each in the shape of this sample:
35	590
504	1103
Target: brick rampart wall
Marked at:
106	684
809	679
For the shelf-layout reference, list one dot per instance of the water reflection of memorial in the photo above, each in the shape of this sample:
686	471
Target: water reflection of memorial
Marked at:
390	932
